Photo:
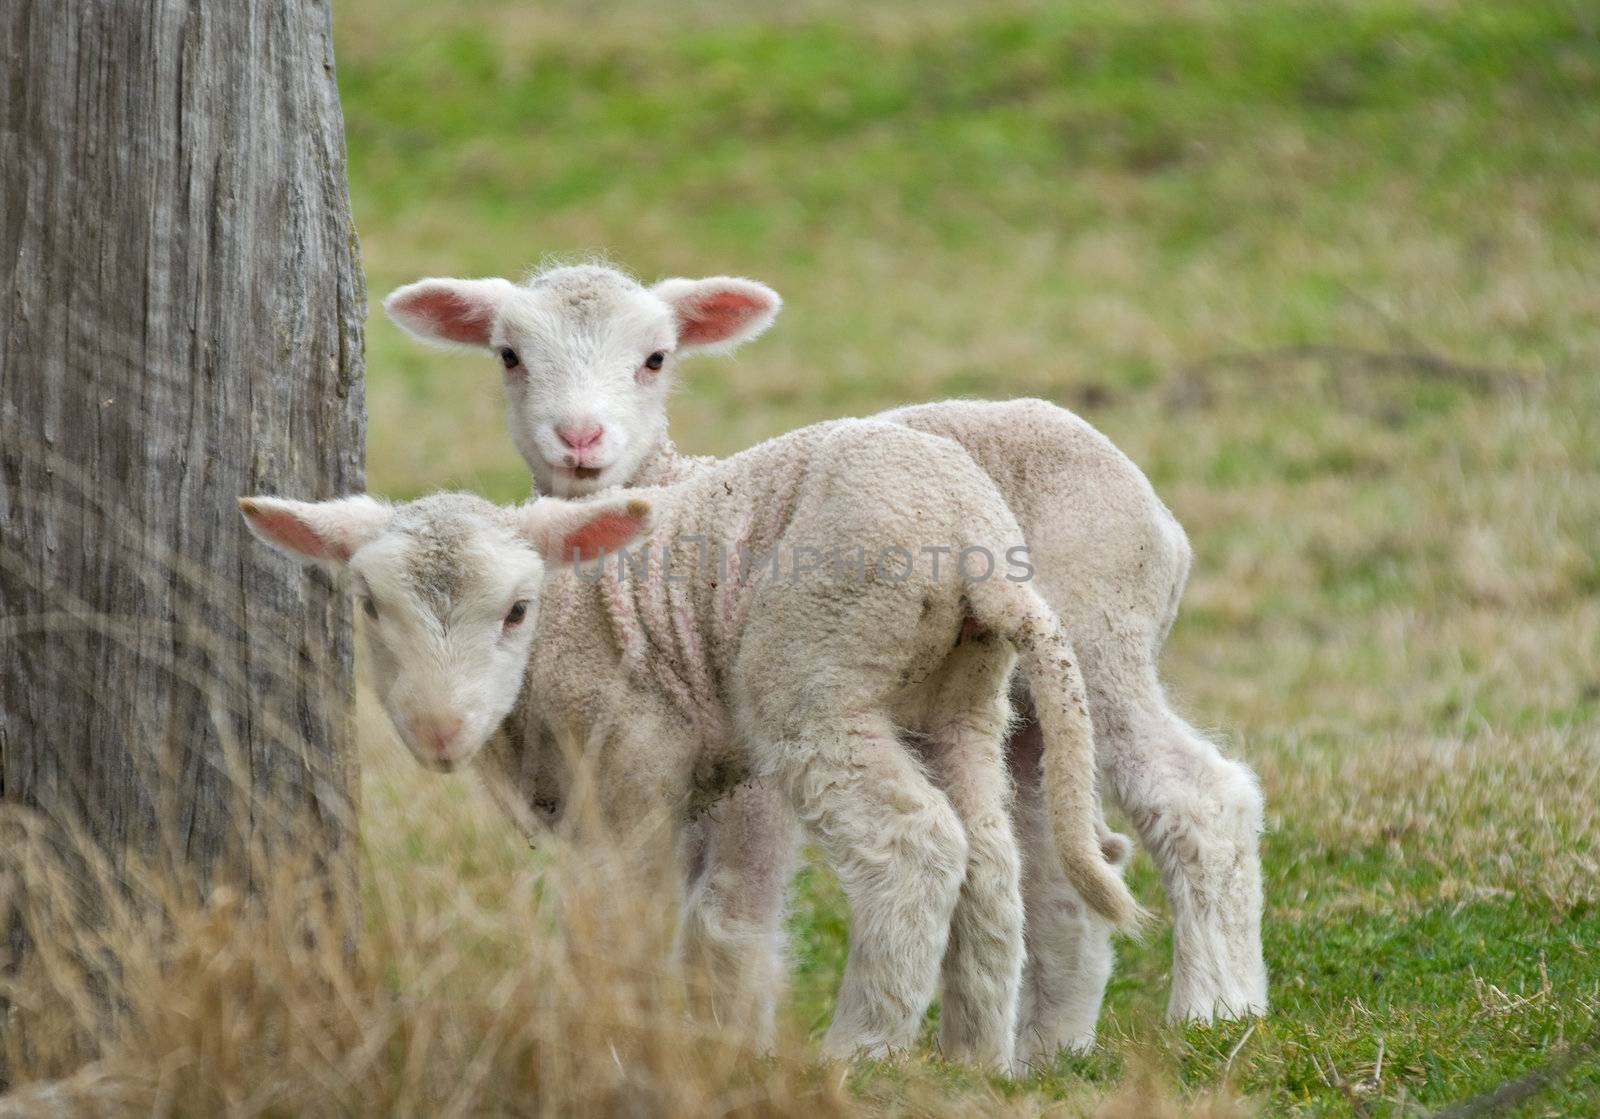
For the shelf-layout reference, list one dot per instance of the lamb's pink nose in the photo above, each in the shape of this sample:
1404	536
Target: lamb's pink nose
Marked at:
580	435
439	736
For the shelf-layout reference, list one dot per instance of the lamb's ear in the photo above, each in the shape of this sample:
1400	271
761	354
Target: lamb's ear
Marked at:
325	532
567	531
720	312
455	311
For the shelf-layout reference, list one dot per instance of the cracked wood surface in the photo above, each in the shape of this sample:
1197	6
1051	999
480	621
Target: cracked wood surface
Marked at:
181	318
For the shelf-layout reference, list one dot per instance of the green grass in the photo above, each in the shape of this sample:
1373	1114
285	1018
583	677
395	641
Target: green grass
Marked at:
1394	609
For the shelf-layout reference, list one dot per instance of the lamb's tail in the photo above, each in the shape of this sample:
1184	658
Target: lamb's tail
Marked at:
1071	794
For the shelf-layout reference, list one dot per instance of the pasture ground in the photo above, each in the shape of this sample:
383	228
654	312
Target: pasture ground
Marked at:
1328	272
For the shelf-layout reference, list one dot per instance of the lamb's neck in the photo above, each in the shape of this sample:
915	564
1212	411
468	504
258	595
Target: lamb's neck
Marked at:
665	465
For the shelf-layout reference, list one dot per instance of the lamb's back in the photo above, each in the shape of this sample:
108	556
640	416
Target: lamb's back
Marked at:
1104	544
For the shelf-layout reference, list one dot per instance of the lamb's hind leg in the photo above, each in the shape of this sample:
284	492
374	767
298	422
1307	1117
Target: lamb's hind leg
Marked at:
730	938
1199	814
1069	954
900	855
982	972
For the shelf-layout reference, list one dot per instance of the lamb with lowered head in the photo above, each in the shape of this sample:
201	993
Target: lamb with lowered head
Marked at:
793	621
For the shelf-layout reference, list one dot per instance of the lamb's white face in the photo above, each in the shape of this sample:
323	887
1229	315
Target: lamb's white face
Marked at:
451	603
450	586
585	360
587	354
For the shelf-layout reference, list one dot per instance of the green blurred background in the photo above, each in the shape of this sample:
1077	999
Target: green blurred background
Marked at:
1329	272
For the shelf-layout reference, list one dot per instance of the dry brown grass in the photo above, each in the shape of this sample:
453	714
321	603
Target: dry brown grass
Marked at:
483	979
556	995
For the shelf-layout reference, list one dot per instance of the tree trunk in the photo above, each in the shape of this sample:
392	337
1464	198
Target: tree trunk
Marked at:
180	323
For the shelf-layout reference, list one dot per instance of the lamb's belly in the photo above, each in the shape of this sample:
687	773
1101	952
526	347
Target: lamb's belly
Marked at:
720	771
517	771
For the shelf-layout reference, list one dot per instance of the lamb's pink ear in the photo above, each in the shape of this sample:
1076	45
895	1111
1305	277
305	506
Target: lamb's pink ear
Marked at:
325	532
567	531
456	311
720	312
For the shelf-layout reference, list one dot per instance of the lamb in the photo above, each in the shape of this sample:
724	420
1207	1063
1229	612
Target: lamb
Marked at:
779	661
588	356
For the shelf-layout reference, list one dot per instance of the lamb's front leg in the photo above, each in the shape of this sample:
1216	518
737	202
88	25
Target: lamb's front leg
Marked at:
730	937
1200	816
900	854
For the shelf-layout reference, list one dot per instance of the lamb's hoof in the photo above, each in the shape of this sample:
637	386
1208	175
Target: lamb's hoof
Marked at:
1006	1064
840	1049
1041	1056
1210	1011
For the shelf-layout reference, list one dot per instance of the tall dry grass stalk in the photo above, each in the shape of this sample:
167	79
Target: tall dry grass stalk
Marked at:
563	998
497	981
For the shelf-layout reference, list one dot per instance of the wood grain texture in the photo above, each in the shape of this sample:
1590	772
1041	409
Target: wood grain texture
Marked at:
181	317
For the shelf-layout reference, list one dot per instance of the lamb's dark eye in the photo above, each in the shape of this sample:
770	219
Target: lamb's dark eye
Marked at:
656	360
518	611
509	356
369	607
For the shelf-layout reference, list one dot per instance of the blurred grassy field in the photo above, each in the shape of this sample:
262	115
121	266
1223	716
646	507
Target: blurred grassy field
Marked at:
1329	272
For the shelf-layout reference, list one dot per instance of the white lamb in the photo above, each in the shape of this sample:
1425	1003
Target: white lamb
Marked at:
795	624
587	353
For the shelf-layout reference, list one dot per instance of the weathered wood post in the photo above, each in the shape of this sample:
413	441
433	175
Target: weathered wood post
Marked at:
181	310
